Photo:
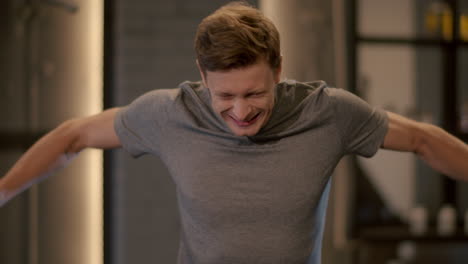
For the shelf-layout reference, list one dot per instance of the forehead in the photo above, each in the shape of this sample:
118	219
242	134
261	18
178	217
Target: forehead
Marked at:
255	76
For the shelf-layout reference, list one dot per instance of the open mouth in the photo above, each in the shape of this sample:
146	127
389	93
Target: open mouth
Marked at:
248	122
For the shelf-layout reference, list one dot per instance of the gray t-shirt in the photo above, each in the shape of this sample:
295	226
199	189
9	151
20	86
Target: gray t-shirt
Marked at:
258	199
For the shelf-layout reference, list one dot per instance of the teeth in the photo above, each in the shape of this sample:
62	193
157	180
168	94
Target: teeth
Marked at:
245	122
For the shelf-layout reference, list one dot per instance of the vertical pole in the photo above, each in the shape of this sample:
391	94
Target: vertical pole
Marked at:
108	186
33	121
449	95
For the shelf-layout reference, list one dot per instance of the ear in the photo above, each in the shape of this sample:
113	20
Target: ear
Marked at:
202	74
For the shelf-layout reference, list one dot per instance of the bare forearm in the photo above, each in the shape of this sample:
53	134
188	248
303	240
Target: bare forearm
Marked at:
439	149
445	153
57	148
51	152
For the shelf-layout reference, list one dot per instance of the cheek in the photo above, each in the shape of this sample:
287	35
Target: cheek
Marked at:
221	106
264	103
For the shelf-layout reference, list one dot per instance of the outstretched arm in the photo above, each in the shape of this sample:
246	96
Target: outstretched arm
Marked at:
57	148
439	149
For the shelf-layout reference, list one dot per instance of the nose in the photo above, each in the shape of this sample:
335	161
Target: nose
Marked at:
241	110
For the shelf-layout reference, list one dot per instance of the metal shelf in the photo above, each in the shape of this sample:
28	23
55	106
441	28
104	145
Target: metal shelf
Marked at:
449	72
396	233
411	41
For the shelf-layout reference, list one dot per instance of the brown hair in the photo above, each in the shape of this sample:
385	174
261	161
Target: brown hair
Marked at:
236	35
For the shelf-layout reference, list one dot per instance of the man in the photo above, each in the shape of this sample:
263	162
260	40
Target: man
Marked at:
251	156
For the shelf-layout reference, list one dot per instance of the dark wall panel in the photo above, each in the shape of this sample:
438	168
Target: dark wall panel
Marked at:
153	49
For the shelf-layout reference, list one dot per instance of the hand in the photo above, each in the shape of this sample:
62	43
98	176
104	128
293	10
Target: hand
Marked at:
3	198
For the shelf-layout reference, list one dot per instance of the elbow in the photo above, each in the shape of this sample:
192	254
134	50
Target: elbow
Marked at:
432	146
439	149
422	137
73	132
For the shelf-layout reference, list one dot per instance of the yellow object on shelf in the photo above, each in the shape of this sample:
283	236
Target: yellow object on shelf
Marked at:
447	24
432	23
464	27
439	20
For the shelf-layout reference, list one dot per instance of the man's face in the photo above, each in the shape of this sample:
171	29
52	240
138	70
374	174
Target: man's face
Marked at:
244	97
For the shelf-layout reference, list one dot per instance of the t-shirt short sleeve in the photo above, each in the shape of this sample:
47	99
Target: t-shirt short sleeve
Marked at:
140	125
362	127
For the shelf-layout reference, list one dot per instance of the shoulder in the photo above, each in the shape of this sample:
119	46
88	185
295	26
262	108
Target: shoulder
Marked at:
317	95
158	96
158	100
294	93
152	105
313	89
290	87
186	91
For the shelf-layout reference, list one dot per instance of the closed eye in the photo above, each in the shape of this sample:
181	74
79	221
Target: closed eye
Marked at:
255	94
225	96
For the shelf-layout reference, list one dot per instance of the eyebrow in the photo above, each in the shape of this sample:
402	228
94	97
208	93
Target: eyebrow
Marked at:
223	94
252	91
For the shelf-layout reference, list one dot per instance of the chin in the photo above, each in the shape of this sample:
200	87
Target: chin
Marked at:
245	132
